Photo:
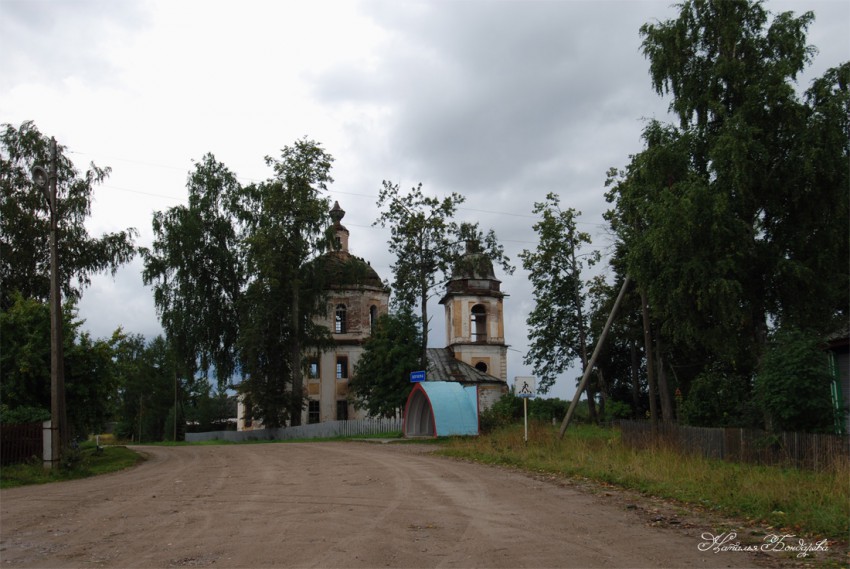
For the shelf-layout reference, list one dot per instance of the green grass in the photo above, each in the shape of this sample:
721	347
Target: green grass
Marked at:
87	463
805	502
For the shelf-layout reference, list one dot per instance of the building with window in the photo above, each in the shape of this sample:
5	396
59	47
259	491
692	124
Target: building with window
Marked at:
356	298
475	322
475	354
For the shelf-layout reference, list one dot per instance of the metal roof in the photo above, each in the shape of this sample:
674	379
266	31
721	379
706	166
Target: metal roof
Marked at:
442	366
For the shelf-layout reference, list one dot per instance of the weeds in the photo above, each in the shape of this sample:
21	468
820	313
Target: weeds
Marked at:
813	503
86	461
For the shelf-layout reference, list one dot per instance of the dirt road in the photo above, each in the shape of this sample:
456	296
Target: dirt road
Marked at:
330	505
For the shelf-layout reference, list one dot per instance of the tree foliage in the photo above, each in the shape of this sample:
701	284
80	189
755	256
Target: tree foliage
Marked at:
381	381
197	269
25	221
428	245
793	383
235	281
734	220
557	326
90	381
420	239
286	226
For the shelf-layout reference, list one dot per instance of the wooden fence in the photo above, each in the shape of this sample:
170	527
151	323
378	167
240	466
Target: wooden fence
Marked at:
19	443
800	450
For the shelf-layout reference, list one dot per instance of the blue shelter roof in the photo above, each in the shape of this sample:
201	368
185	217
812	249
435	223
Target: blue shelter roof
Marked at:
441	409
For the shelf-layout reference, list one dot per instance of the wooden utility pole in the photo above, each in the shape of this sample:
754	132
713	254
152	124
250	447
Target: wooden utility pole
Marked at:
595	355
59	435
650	361
57	356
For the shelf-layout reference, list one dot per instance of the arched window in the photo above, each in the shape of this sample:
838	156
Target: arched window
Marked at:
478	323
373	318
339	325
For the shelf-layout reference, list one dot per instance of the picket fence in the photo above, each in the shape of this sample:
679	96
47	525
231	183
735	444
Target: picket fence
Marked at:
327	429
800	450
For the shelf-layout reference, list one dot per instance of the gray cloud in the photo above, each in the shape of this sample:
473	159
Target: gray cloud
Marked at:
485	93
48	41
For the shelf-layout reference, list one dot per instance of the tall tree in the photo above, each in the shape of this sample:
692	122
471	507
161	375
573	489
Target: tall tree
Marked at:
427	246
286	221
732	76
148	374
25	221
558	327
729	216
196	266
420	239
235	285
90	380
380	383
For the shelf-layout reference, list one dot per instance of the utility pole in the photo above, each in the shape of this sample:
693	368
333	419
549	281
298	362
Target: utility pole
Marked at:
175	404
595	355
58	416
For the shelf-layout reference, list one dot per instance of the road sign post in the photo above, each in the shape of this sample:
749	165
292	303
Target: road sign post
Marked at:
525	387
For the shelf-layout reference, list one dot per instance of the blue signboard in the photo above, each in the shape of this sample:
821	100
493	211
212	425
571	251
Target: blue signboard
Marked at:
417	376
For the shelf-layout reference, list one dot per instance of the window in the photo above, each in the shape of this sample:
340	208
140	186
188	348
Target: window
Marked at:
313	368
481	366
342	410
313	412
478	323
342	367
339	324
373	318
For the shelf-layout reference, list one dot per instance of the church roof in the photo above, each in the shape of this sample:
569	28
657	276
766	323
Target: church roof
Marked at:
344	270
442	366
474	264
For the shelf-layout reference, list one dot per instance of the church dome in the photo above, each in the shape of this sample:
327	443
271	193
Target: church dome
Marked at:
473	273
340	268
474	264
344	270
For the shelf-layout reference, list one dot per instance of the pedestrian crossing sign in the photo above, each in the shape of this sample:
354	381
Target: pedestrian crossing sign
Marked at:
525	387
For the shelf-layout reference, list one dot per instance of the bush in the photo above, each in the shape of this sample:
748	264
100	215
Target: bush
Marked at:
793	384
503	413
720	398
23	415
617	410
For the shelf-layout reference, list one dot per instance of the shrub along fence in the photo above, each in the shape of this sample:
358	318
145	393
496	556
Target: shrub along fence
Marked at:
327	429
800	450
19	443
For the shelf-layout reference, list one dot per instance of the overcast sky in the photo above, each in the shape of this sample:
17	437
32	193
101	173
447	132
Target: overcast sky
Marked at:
502	102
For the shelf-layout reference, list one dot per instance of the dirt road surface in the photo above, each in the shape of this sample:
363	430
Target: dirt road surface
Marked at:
331	505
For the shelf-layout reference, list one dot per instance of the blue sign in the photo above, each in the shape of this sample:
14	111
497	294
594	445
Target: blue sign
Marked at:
417	376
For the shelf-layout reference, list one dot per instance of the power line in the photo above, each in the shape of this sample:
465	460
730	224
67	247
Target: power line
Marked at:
332	191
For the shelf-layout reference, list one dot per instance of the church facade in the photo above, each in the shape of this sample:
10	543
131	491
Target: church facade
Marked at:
475	352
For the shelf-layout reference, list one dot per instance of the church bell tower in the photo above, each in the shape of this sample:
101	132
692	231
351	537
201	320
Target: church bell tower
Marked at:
475	323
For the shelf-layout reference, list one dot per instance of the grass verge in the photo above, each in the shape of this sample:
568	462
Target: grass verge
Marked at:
804	502
86	462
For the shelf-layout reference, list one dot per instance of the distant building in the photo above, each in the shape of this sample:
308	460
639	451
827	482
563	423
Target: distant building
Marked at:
475	352
356	299
470	374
